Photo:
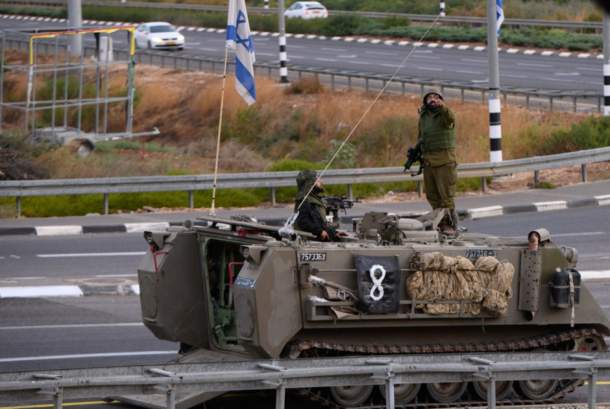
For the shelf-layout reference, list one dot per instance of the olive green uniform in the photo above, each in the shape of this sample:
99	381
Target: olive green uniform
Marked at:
437	140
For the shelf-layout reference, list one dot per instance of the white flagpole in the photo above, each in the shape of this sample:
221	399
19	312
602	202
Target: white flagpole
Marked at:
222	103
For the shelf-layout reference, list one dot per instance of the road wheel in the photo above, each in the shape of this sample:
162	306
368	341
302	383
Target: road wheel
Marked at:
536	389
446	392
403	393
350	396
503	389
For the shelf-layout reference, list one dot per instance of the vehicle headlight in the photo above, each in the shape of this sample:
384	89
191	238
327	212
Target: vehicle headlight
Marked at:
180	38
156	40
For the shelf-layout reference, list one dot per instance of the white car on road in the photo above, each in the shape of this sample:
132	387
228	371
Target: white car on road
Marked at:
306	10
158	35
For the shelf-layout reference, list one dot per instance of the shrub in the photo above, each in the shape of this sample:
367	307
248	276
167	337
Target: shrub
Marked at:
593	132
306	85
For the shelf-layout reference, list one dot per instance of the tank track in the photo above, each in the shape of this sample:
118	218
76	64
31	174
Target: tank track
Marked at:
316	348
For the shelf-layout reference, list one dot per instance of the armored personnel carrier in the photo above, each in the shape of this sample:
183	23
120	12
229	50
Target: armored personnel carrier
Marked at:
395	285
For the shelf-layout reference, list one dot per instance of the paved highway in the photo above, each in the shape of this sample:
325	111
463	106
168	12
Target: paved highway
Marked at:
464	66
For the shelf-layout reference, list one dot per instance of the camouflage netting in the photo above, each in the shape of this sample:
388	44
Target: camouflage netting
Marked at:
482	286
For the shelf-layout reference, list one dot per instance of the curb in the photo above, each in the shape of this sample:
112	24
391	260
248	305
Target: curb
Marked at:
491	211
347	39
472	214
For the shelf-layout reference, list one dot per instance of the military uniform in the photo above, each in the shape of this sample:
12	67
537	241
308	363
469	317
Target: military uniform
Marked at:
437	141
312	213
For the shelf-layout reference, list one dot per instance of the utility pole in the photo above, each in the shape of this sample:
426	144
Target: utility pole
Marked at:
75	20
606	64
442	9
266	6
495	127
282	42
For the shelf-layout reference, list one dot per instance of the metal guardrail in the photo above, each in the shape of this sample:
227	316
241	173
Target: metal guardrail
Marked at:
575	101
178	380
478	21
274	180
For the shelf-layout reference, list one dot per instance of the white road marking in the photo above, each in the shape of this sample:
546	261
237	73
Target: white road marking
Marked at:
325	59
114	275
15	257
565	54
335	49
596	70
380	53
551	205
111	254
360	62
58	230
430	68
584	233
514	76
27	278
266	54
469	72
81	356
529	52
141	227
65	326
603	200
477	60
567	74
529	64
209	49
347	56
547	53
41	291
463	47
591	275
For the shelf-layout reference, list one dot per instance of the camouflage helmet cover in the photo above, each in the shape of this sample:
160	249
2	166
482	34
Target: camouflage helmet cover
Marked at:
305	180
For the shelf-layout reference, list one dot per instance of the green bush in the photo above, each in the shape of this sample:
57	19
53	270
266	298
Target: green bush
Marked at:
593	132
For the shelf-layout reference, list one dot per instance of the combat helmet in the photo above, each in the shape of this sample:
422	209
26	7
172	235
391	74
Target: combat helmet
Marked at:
305	180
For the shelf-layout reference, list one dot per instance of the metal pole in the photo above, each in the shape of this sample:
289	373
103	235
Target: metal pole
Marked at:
442	9
495	127
131	83
266	6
280	396
81	83
191	199
389	394
282	42
58	398
75	20
606	64
107	87
106	203
491	393
54	97
592	389
66	88
97	83
171	397
273	196
583	173
2	79
18	206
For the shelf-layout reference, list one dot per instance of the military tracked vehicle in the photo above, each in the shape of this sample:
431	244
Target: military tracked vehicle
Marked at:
395	285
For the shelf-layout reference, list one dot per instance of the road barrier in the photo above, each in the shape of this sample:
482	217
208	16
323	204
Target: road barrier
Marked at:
457	20
275	180
172	384
575	101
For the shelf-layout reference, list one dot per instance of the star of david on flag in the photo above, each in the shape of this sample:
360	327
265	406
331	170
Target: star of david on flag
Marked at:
239	39
499	15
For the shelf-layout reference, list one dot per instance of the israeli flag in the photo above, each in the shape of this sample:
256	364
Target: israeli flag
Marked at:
499	15
239	39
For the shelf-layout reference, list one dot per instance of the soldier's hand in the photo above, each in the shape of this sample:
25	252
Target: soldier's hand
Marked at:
324	235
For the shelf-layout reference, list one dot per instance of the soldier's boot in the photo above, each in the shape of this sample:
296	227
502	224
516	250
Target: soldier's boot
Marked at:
449	224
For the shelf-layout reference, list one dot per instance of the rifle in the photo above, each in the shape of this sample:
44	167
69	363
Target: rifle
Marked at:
414	154
334	203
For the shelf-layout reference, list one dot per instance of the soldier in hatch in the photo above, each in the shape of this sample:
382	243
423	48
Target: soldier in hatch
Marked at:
312	212
436	138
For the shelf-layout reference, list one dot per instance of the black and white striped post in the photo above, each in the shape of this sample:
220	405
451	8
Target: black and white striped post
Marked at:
266	4
442	9
282	42
606	64
495	123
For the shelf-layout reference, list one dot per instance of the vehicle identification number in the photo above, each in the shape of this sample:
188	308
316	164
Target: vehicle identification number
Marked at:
474	254
312	257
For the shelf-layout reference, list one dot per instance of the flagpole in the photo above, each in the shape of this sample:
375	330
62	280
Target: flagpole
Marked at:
222	103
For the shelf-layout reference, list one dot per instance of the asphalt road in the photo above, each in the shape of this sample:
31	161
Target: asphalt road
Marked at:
464	66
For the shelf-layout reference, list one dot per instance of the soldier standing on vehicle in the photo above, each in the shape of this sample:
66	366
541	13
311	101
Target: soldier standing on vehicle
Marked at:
436	138
312	213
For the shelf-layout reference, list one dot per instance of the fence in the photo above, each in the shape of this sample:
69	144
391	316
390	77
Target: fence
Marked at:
179	380
274	180
462	20
585	101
